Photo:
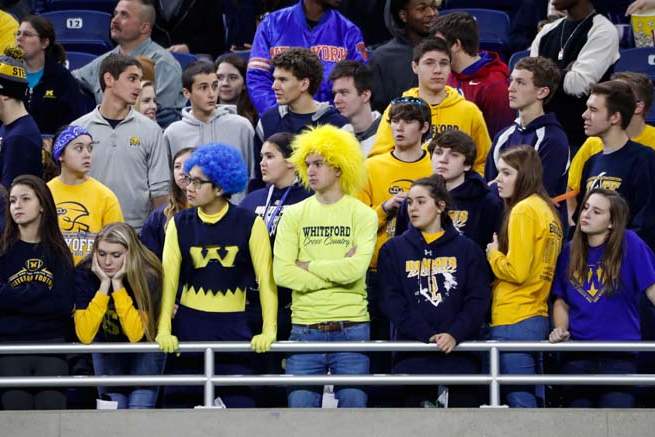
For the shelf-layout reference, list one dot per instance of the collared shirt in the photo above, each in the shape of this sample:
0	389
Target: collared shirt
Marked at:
131	160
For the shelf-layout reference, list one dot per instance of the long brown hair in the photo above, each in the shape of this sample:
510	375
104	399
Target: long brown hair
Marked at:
529	180
610	263
245	107
177	200
49	234
46	30
143	272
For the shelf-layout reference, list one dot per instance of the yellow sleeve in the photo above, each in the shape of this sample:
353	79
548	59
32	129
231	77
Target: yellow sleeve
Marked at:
113	212
482	140
88	320
366	196
171	261
285	253
131	320
262	261
383	138
350	269
515	266
577	164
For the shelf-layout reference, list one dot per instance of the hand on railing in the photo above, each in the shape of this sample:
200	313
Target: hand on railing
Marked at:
262	342
558	335
167	342
444	341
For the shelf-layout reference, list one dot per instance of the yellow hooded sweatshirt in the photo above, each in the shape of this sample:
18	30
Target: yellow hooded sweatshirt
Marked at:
454	112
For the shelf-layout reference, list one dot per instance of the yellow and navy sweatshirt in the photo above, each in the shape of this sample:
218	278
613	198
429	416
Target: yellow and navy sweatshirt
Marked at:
36	294
525	273
111	317
212	259
454	112
433	284
386	177
333	287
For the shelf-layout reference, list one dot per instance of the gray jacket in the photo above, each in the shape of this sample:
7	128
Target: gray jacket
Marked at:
131	160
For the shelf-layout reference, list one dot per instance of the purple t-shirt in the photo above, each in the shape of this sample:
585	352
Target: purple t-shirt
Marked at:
595	315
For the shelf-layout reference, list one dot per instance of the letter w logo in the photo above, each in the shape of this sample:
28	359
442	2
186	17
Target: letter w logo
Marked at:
200	259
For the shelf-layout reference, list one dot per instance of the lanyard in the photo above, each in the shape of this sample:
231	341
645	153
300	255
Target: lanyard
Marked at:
271	220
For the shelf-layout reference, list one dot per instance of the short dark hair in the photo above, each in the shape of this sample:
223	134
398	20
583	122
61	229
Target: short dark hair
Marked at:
194	69
641	85
430	45
410	108
545	73
436	186
282	141
115	64
456	140
303	64
361	74
460	26
618	98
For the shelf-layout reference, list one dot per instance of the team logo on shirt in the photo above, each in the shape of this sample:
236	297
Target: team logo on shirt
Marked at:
34	271
49	94
135	141
110	323
73	222
459	218
435	277
602	181
592	287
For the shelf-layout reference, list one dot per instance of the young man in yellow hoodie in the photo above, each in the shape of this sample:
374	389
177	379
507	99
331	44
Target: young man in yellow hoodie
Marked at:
449	109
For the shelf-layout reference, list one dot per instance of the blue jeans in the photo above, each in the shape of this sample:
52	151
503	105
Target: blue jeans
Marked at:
605	363
522	363
151	363
338	363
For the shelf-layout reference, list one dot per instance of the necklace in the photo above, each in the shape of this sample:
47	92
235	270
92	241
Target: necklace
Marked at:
562	44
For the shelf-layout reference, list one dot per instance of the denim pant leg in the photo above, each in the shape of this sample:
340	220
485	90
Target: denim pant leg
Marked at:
151	363
306	364
522	363
350	363
111	364
617	396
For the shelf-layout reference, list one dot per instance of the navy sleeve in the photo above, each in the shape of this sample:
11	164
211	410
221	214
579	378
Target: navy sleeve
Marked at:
554	154
395	303
490	170
491	217
402	219
477	297
85	287
152	232
642	202
21	156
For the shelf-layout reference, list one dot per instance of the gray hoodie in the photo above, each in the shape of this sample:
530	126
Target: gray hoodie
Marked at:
392	64
225	126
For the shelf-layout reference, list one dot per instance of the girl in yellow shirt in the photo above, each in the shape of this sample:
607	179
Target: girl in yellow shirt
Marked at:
523	260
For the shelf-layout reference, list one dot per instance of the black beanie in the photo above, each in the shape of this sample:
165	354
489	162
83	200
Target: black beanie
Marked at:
13	80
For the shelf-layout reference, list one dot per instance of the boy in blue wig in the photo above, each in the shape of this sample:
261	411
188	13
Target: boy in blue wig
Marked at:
213	252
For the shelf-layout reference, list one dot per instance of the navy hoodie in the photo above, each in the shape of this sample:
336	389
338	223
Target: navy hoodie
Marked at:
548	138
432	288
36	295
476	210
20	150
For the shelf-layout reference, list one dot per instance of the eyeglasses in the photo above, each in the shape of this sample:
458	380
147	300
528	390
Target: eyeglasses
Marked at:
25	34
196	183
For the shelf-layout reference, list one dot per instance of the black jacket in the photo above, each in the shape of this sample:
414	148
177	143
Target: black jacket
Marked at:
198	24
57	99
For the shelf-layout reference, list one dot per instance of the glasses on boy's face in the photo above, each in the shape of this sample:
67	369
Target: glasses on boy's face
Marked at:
195	183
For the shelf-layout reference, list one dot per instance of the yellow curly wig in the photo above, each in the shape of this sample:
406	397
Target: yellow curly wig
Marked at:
339	148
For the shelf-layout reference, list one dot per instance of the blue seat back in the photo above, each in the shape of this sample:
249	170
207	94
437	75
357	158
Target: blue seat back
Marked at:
494	27
184	59
94	5
75	60
639	60
516	57
82	30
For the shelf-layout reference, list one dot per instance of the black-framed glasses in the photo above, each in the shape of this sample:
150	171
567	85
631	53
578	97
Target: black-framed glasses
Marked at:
196	183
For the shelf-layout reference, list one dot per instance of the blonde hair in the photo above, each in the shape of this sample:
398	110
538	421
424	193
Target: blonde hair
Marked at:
143	272
339	149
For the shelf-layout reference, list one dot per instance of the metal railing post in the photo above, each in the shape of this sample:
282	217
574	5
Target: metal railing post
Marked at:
494	385
209	374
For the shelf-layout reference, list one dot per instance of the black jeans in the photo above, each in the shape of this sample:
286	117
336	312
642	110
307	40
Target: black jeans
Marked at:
33	398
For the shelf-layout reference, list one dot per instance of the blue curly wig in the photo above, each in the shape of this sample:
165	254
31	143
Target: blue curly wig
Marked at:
222	164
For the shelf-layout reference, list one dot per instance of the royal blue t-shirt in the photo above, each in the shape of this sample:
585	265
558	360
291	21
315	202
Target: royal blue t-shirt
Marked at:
595	314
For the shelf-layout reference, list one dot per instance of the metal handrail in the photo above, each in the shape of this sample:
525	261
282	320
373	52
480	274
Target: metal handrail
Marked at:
494	379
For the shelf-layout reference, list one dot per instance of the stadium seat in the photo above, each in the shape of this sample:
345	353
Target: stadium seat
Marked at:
93	5
243	54
82	30
639	60
494	28
184	59
516	57
75	60
500	5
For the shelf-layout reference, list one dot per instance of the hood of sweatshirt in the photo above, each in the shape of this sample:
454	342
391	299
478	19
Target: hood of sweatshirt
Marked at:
474	187
396	29
221	110
452	96
324	109
489	66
